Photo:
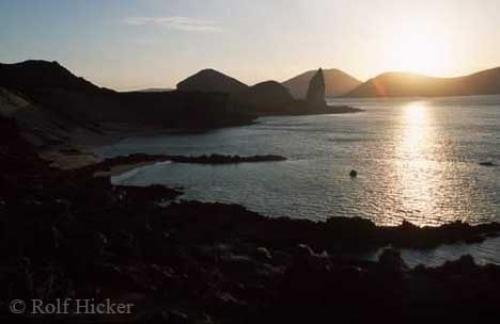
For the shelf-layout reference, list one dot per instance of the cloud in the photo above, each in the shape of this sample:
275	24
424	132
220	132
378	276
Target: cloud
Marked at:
176	22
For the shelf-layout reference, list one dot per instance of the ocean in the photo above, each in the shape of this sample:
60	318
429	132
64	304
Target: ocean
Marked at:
417	159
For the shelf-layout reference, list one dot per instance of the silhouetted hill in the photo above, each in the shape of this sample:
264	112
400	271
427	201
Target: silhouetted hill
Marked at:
272	98
64	99
36	74
38	125
210	80
264	98
337	83
54	89
398	84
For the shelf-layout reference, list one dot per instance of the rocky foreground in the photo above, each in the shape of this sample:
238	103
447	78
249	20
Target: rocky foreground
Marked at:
69	234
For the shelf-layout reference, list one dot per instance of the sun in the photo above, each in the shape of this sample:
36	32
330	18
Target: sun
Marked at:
420	50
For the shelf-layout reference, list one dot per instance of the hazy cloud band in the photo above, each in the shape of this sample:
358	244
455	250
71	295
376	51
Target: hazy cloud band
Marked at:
176	22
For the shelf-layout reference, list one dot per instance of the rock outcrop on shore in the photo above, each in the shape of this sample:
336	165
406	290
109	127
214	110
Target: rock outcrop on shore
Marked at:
68	234
315	96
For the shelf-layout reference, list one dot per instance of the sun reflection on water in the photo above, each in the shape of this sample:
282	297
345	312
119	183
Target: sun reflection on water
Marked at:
415	135
424	180
415	187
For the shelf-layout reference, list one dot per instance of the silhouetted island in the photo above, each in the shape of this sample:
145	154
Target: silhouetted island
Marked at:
46	97
273	99
262	99
210	80
398	84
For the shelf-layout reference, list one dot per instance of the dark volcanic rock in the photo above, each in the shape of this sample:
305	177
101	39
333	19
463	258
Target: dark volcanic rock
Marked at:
225	159
391	260
337	83
214	159
315	96
152	192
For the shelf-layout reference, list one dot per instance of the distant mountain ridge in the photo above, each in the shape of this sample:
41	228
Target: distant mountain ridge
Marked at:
400	84
337	83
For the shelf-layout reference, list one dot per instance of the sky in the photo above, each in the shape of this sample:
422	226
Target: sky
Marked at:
126	44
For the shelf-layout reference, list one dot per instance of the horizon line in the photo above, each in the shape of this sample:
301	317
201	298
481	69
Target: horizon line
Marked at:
174	87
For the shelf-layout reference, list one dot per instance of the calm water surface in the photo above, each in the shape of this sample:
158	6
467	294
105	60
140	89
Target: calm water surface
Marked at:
417	160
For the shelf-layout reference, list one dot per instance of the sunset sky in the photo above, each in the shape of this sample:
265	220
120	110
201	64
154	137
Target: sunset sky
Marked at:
125	44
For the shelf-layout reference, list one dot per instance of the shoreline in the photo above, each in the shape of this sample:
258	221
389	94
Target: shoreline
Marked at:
85	144
428	236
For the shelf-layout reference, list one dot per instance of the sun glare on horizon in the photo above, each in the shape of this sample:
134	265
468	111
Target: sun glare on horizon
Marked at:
420	48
